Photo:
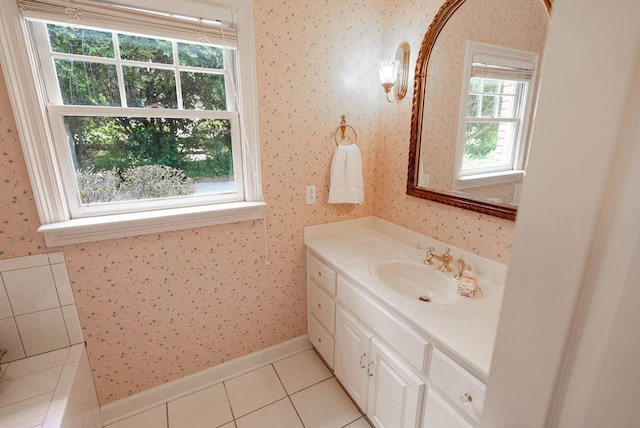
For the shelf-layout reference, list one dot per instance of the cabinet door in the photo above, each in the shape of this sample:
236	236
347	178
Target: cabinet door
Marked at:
438	414
352	356
395	391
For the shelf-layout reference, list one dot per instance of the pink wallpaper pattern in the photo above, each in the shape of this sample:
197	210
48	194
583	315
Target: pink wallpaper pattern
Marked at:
155	308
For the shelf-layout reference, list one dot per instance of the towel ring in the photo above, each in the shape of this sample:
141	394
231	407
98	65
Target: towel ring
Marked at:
341	129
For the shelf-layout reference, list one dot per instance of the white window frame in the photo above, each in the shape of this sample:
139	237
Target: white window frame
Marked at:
28	101
496	55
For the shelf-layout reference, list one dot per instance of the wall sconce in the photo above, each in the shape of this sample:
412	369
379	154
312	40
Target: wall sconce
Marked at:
395	74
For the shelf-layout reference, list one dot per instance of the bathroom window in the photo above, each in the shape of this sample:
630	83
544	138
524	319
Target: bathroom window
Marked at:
495	114
147	114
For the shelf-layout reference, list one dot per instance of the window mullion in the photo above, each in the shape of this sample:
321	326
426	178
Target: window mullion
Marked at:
119	71
178	77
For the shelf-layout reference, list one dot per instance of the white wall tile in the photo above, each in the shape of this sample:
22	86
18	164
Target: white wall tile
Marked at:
63	284
23	262
10	340
75	352
42	331
56	257
5	307
31	289
70	314
32	385
35	364
26	413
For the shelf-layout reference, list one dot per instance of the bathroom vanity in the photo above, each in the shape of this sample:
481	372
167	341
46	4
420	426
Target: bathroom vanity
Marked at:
409	355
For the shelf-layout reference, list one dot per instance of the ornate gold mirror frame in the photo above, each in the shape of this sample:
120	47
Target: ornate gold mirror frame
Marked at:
419	95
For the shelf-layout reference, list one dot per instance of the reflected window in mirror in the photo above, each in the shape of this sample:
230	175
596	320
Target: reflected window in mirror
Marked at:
496	110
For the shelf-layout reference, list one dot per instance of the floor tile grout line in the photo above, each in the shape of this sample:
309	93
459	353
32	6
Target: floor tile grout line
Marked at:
295	409
226	393
166	412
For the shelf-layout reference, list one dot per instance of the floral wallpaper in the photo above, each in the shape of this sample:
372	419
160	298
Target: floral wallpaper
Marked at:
155	308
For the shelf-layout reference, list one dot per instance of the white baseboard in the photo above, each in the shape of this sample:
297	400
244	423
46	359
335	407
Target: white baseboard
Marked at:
175	389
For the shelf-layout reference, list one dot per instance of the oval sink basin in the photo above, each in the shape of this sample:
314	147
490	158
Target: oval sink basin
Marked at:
416	280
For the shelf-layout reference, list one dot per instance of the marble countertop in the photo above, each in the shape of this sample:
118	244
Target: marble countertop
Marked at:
466	329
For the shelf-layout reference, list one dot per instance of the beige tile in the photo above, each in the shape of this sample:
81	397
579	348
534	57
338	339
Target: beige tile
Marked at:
229	425
360	423
26	413
152	418
254	390
301	371
42	331
325	405
75	352
57	257
10	340
31	289
35	364
280	414
63	284
202	409
5	307
71	320
23	262
29	386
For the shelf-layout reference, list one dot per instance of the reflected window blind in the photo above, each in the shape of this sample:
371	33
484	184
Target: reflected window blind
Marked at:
129	19
499	68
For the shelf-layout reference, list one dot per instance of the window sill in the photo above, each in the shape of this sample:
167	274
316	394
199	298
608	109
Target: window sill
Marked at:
489	179
124	225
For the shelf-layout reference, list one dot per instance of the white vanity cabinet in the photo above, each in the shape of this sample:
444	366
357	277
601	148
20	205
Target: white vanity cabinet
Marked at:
386	364
321	307
395	391
352	356
372	371
459	386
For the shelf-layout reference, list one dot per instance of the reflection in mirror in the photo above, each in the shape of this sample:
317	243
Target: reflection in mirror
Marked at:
452	155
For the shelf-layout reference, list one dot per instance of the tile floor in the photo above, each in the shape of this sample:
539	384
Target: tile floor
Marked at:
296	392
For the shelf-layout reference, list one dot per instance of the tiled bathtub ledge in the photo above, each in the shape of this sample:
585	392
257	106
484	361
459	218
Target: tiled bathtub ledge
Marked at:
50	390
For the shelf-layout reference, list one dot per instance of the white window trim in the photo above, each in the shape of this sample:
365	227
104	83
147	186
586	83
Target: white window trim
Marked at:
479	180
513	56
42	165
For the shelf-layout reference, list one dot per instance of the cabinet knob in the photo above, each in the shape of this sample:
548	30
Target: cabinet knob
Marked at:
466	399
319	340
369	370
363	358
319	306
319	274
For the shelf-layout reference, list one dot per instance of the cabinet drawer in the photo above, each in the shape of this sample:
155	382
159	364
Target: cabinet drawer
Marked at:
322	306
438	414
321	340
401	338
457	384
321	274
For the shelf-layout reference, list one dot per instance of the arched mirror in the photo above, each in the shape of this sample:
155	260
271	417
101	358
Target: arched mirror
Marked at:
464	79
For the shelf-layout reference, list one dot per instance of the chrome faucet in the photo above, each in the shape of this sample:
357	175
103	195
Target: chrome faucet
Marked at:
445	259
462	266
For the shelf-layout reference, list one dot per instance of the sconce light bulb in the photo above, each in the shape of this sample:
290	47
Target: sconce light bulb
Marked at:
388	72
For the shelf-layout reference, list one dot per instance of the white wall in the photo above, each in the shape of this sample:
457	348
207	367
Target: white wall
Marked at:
571	211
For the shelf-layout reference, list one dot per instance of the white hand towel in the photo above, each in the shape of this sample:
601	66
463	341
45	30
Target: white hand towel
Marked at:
346	185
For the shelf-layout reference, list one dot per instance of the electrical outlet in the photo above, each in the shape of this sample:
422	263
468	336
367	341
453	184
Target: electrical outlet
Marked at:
311	195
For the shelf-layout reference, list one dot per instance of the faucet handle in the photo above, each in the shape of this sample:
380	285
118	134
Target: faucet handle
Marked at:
462	266
429	256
